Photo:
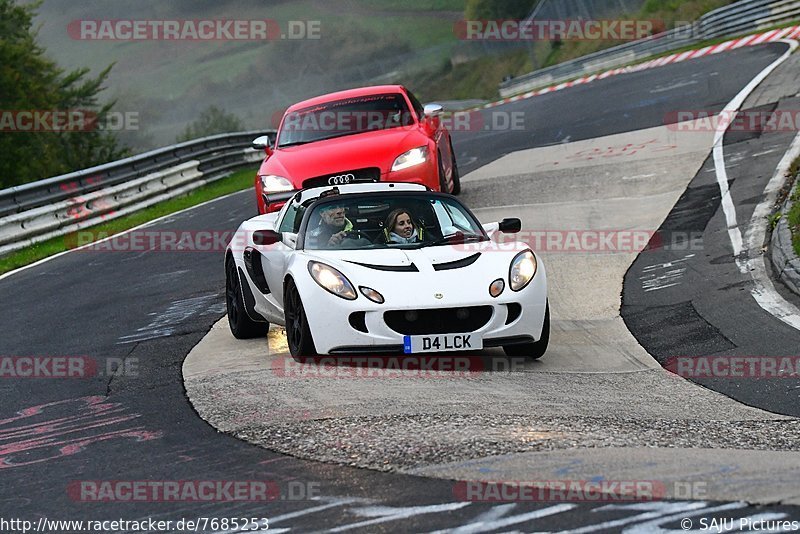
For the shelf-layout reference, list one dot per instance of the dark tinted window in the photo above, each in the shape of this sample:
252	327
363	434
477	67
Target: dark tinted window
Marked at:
345	117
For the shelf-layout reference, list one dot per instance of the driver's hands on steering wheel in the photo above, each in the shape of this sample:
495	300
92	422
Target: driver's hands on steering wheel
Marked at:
337	238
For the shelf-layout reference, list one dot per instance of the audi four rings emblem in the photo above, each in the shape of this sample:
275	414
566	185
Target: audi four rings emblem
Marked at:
341	179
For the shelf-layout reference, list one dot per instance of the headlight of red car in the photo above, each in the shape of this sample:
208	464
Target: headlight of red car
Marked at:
272	183
413	157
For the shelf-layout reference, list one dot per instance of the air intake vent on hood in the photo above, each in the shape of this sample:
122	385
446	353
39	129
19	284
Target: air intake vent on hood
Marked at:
392	268
458	264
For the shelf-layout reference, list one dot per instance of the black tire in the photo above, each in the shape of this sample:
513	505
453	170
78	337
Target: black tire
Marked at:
456	175
442	177
298	333
242	326
535	350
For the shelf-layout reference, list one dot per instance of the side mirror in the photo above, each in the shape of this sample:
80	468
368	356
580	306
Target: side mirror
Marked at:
263	143
510	226
266	237
433	110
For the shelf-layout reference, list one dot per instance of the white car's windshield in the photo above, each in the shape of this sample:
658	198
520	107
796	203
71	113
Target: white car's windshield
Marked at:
389	221
344	117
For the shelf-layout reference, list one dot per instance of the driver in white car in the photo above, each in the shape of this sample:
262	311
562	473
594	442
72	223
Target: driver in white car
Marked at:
333	226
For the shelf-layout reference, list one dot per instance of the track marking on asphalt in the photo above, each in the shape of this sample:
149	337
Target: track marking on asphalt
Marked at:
656	512
95	243
58	429
167	323
385	514
730	110
763	291
488	525
669	276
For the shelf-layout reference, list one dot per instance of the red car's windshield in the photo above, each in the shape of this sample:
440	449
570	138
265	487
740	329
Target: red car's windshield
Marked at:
344	117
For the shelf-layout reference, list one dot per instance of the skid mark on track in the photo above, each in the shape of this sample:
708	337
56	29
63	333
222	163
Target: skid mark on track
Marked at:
63	428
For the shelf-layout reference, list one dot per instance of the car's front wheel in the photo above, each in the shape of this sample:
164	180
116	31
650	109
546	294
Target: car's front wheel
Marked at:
442	177
242	327
534	350
298	333
456	176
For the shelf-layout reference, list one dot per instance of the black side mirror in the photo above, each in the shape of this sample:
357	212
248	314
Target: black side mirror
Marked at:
510	226
266	237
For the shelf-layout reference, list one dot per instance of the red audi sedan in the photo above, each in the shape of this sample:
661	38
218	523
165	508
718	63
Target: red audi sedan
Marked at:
370	134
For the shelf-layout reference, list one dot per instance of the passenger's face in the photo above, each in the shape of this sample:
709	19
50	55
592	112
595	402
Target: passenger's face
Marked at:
334	217
403	225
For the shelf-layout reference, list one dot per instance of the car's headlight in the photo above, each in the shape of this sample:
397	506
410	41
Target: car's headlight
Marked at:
272	183
332	280
415	156
523	268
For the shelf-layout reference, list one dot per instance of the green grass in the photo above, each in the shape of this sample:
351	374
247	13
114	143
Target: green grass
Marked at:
668	12
478	78
793	217
696	46
235	182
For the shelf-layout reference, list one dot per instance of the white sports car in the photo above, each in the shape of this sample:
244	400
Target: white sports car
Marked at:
381	268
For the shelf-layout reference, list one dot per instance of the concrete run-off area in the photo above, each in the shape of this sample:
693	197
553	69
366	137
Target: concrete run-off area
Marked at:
596	402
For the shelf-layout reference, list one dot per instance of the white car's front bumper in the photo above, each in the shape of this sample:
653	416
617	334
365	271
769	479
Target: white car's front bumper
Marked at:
513	316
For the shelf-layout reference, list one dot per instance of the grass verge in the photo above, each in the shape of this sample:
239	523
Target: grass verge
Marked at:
793	217
237	181
456	82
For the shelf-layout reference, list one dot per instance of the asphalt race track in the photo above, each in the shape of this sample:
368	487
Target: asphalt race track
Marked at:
152	308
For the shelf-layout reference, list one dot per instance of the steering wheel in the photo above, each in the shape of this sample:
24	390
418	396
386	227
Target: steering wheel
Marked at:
353	234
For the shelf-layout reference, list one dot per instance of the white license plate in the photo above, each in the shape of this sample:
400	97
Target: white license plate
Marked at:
442	342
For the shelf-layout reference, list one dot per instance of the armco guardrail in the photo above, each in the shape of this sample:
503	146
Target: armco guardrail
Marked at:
738	18
33	212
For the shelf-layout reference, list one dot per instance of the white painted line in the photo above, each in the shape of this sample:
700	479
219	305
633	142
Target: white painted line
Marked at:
658	512
314	509
488	525
385	514
763	290
148	223
729	111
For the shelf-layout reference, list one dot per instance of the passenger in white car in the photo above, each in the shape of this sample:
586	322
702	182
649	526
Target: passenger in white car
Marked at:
400	228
